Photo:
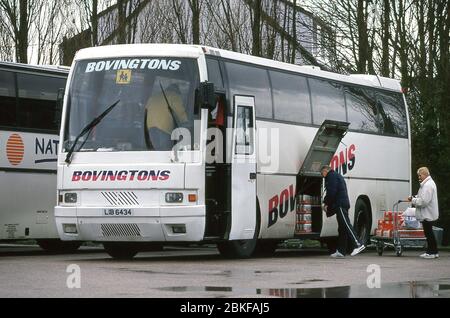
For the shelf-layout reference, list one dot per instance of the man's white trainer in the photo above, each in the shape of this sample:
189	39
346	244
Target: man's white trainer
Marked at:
337	255
358	250
429	256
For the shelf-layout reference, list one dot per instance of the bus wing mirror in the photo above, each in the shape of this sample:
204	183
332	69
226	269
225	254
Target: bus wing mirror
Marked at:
59	106
207	96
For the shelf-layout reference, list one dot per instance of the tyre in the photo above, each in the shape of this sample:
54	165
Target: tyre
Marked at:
380	248
363	221
237	248
58	246
399	250
265	248
241	248
118	250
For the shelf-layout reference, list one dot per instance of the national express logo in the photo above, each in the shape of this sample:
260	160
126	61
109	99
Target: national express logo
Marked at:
15	149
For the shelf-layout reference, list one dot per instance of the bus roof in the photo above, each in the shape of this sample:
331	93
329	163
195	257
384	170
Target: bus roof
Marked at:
63	70
195	51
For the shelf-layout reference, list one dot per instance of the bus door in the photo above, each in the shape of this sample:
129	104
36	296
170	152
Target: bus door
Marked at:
309	179
243	170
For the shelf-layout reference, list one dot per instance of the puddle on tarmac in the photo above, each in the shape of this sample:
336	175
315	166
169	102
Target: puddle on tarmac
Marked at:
431	289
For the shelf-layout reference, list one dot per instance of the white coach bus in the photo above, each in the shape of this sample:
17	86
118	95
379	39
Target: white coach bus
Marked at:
125	179
29	128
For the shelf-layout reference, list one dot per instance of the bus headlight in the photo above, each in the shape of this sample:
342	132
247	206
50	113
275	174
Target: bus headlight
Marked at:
174	197
70	197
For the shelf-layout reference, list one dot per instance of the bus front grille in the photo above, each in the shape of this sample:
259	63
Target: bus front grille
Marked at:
122	230
120	198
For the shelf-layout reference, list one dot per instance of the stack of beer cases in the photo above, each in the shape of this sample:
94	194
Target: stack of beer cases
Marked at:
305	205
385	226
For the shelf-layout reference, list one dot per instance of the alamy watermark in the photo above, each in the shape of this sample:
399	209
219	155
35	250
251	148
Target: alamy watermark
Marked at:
374	279
74	279
240	143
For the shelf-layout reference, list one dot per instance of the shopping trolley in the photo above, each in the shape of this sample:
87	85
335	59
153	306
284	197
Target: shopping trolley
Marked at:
396	235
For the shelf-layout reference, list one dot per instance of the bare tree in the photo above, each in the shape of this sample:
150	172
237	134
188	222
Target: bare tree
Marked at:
385	37
196	7
19	16
47	32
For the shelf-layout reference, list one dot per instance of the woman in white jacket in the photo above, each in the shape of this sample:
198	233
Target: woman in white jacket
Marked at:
427	209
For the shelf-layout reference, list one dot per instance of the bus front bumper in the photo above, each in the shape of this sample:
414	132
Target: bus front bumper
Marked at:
154	224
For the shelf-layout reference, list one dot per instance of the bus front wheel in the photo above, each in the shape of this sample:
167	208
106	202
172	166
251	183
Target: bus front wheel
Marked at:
237	248
119	250
58	246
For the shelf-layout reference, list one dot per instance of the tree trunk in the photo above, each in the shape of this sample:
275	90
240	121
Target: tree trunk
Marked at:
271	33
361	20
94	22
256	27
121	12
283	57
22	37
385	38
195	8
294	32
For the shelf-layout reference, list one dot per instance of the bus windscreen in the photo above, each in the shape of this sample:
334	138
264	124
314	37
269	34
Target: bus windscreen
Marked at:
156	97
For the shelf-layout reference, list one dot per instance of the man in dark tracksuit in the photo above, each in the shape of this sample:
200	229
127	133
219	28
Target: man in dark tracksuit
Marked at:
336	202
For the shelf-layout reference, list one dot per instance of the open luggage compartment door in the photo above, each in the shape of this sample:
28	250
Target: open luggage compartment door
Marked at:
323	147
309	180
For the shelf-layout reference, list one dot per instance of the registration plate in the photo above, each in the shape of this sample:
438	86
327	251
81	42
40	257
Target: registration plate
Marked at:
117	212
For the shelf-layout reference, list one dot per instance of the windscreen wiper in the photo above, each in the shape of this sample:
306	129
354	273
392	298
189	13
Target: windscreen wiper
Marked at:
169	106
88	129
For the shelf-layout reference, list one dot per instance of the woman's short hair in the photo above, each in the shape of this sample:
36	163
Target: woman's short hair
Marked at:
423	170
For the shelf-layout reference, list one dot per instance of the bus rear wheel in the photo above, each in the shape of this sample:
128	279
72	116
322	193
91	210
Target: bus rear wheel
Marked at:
120	250
58	246
265	248
363	221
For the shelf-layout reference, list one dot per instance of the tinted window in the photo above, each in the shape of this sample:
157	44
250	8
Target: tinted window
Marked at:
214	74
244	131
7	99
362	109
247	80
290	97
37	103
392	114
328	101
156	99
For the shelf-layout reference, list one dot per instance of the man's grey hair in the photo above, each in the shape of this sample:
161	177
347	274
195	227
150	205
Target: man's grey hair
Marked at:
325	167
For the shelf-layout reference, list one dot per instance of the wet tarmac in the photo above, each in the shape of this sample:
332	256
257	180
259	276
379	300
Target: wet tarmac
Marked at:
427	289
180	272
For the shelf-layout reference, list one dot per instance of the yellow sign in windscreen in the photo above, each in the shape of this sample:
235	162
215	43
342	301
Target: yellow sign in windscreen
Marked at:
123	77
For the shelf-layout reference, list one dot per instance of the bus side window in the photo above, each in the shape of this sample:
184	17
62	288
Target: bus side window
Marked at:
327	100
362	109
290	97
393	114
37	102
244	131
8	99
214	74
253	81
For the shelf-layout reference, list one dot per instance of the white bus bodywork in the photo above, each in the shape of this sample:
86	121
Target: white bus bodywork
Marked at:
380	172
28	166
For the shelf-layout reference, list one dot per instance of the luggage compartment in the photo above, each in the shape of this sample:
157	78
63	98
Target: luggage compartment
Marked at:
308	207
